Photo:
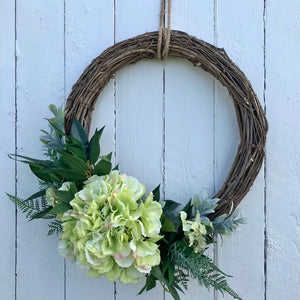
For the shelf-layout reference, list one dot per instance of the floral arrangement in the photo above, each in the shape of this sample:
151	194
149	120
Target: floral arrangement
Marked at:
107	224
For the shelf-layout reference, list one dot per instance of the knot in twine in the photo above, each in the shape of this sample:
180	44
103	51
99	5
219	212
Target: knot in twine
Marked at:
164	34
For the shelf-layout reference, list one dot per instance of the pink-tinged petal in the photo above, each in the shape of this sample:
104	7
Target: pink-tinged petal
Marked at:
134	255
118	256
146	267
108	225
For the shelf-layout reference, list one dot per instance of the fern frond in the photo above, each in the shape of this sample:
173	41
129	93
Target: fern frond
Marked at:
55	227
32	208
200	267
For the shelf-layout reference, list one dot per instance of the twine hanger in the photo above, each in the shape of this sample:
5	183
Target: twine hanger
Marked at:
164	34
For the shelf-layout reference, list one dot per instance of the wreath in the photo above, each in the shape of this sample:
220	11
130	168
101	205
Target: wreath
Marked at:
106	222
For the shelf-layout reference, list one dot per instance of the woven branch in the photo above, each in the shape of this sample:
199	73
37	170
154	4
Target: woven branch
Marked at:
251	119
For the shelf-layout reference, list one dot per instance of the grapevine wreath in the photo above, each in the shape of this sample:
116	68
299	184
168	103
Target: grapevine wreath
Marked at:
105	221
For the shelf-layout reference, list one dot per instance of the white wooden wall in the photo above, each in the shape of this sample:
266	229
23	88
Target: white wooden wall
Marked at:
167	122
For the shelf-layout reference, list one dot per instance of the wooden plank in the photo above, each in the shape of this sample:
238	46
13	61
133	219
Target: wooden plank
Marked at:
89	31
139	113
7	132
40	75
283	156
189	96
241	255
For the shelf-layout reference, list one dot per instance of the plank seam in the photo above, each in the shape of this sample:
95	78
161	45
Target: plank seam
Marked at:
215	16
16	148
115	116
265	164
65	94
164	133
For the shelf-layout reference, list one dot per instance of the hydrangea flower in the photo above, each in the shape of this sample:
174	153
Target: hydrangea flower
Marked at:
51	197
195	231
110	230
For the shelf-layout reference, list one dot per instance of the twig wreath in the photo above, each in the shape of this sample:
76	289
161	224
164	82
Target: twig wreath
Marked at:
105	222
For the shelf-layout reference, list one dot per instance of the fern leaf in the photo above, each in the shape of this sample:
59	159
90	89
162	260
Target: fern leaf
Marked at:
199	266
32	209
55	227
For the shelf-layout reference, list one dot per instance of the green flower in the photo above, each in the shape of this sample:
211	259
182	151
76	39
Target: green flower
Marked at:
51	197
194	231
110	230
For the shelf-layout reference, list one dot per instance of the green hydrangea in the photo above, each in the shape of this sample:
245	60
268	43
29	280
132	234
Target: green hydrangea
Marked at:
110	230
195	232
51	197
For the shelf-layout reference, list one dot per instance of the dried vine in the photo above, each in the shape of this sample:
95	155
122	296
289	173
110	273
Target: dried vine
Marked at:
250	115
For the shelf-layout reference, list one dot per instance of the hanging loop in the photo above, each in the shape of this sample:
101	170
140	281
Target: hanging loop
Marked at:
164	34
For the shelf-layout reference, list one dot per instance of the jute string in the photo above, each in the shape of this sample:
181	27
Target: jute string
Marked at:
164	34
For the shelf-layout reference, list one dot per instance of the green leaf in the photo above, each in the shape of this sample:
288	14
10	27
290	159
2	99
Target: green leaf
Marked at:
78	132
77	151
59	209
43	163
173	292
74	163
94	146
170	206
41	173
188	208
156	272
116	168
65	196
36	195
69	175
149	284
171	272
156	193
75	142
103	167
167	225
165	265
73	189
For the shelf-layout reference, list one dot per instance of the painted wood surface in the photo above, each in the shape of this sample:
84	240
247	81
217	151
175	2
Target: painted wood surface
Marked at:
243	39
7	133
166	122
